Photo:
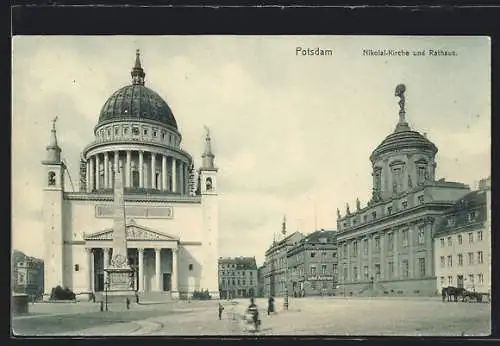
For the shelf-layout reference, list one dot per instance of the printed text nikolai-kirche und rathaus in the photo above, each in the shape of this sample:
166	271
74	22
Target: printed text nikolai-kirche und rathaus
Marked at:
405	52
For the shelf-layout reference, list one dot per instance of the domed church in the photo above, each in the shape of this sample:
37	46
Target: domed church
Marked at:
386	247
171	209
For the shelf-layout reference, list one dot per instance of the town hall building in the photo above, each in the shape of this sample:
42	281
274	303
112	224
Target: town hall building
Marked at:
171	209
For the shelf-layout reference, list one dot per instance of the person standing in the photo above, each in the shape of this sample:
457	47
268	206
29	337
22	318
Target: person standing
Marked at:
221	309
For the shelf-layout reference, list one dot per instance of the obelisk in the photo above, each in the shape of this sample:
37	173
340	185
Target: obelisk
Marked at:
119	273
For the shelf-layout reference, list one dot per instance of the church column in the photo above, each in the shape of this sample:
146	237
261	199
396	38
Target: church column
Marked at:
92	174
173	276
429	263
370	260
106	167
141	270
174	174
106	251
158	269
382	255
164	173
411	256
181	183
153	170
395	252
90	264
97	172
127	169
141	169
87	176
348	259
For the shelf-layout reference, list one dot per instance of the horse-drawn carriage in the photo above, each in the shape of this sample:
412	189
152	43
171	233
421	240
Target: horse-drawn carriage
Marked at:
452	293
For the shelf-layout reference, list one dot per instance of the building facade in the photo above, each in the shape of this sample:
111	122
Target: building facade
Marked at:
313	265
275	275
171	209
462	243
238	277
386	247
260	281
28	277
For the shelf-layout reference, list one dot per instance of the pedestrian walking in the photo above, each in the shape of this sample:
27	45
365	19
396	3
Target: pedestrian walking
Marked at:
270	305
221	309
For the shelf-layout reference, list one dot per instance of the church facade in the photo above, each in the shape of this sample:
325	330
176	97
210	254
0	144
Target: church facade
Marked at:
386	247
171	209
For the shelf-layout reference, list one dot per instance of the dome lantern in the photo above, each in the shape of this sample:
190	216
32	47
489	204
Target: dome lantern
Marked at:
137	72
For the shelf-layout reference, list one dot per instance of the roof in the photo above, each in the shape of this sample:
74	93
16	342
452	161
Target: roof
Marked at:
473	201
240	262
403	139
316	237
136	102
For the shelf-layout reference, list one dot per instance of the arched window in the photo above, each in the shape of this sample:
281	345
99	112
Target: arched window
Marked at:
208	184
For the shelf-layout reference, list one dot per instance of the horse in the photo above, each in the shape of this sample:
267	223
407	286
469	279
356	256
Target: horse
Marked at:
452	291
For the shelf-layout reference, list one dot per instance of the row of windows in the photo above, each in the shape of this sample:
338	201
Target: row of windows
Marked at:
235	282
237	273
470	259
471	217
390	270
390	242
460	238
134	131
460	278
404	205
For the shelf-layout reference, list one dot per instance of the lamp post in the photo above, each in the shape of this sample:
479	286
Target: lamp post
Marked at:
106	288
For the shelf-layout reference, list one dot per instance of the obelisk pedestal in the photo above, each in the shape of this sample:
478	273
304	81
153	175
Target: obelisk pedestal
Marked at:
120	275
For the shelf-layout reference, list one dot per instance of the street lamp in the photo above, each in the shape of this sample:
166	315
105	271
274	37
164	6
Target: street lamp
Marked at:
106	288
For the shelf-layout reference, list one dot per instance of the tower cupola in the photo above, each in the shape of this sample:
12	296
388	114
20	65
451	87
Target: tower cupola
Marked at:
53	149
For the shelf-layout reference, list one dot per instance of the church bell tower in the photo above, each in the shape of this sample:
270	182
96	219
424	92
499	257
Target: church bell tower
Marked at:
209	199
53	170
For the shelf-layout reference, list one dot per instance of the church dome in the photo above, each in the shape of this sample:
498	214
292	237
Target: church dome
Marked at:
406	139
137	102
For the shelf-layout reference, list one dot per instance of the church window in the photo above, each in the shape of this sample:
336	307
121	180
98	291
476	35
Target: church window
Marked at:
125	131
190	266
451	222
365	247
77	267
208	183
135	179
365	218
313	270
163	135
377	244
145	132
135	131
421	235
116	131
405	238
374	215
155	133
52	178
404	204
471	216
389	210
421	174
420	199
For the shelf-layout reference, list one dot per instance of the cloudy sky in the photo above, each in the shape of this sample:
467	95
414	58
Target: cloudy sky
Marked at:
292	134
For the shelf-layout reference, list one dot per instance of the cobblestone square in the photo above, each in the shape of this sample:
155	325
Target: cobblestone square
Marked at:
305	316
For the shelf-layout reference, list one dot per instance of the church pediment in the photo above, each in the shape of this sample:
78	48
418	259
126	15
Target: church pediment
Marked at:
134	232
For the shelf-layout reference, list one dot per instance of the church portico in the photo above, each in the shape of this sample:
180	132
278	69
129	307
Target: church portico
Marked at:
152	255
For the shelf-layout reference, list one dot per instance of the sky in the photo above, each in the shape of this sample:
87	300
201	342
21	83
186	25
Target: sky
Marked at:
292	134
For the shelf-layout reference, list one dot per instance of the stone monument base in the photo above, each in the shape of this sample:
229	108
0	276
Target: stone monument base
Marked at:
120	282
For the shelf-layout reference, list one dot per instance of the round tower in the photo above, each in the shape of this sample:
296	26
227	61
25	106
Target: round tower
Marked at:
405	158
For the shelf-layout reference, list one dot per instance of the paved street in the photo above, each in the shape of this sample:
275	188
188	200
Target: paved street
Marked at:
306	316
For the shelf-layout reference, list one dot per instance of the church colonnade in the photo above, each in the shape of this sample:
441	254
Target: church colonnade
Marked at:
100	258
143	170
401	252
